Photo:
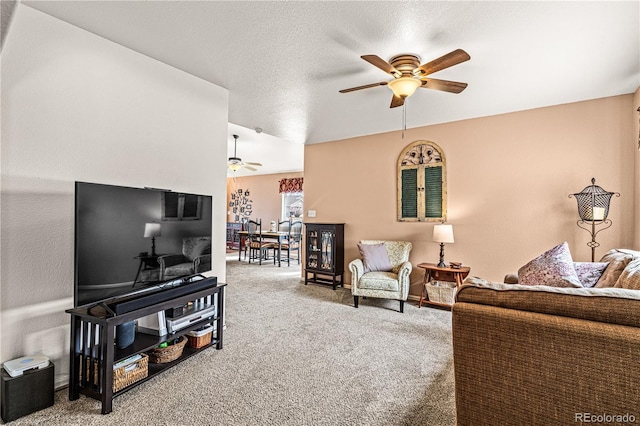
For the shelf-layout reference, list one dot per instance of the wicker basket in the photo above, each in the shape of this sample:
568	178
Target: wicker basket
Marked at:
130	373
168	353
200	338
441	292
123	376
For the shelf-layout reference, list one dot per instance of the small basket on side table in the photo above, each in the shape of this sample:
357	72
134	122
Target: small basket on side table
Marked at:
441	284
443	292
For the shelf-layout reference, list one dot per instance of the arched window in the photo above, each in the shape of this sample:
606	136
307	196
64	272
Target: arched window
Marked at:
422	183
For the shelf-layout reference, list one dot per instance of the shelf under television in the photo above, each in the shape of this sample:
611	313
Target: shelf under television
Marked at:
144	342
92	336
155	369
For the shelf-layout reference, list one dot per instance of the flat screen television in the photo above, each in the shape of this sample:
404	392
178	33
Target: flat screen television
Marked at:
128	240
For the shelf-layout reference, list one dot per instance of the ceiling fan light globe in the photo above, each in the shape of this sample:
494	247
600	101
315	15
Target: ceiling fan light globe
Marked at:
234	163
404	87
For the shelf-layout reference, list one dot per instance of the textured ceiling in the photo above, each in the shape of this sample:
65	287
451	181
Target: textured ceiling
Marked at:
284	62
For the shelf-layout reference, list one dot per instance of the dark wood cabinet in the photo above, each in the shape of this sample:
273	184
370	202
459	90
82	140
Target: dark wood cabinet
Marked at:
233	238
324	253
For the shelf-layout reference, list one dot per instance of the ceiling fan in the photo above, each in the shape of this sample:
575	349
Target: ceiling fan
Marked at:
236	163
409	75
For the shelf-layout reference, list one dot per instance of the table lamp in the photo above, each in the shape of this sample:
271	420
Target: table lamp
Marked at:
152	230
442	234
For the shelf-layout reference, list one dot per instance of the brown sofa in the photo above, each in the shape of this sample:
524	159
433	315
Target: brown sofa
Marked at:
539	355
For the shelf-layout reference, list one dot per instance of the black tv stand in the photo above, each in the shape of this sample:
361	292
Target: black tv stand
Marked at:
93	348
106	310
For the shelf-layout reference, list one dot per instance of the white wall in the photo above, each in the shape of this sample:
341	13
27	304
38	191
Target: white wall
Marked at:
78	107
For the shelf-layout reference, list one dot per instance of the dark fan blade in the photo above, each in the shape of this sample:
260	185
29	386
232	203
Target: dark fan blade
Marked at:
444	85
366	86
446	61
396	101
380	63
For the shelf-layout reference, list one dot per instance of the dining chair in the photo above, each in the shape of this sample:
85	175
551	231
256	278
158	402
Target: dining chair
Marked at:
244	240
258	248
292	242
284	225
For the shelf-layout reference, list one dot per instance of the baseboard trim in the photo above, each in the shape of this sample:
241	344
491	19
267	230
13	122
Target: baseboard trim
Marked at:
411	297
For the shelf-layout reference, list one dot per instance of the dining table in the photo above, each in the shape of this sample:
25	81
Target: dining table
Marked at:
277	236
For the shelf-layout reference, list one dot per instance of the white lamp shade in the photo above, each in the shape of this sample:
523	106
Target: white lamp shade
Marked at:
404	86
443	233
151	229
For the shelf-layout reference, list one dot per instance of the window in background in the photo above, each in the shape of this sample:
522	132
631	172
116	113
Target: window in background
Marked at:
291	190
292	203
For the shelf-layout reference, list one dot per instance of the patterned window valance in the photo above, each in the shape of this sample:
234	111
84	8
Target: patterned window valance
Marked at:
291	185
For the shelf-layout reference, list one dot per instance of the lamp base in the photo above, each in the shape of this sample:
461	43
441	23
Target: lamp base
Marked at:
442	264
153	246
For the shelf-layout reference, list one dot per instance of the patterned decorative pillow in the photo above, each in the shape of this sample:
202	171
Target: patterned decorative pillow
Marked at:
375	257
618	260
589	272
630	276
552	268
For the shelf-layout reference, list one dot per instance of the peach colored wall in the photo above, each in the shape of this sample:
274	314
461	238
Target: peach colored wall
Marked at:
263	191
509	177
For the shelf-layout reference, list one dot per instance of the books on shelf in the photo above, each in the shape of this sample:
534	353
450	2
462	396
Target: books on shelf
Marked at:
127	361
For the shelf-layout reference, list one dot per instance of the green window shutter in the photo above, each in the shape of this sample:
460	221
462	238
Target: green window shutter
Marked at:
170	202
192	206
410	193
177	206
433	191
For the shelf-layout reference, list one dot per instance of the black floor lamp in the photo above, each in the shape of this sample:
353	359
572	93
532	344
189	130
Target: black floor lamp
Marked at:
593	208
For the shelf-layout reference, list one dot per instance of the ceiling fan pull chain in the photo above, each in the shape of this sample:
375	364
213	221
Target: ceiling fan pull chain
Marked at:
404	118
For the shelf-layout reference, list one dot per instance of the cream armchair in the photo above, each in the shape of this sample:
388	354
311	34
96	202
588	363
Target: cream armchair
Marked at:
195	258
371	276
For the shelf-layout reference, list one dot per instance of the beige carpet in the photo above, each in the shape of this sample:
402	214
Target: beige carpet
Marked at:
294	355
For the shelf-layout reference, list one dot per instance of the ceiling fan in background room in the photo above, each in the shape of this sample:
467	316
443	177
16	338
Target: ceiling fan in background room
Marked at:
236	163
409	75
